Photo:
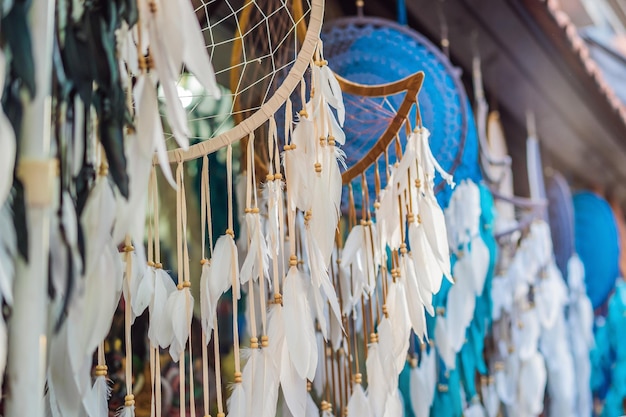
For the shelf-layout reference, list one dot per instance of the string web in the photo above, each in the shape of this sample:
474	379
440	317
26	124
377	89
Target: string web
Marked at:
252	45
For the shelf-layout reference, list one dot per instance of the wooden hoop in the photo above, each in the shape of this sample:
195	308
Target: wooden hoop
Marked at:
412	85
269	108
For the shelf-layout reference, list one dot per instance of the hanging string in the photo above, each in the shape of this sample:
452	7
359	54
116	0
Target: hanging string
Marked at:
184	283
206	223
154	243
234	267
129	399
218	368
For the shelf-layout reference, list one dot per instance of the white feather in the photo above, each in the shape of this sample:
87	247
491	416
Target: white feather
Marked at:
257	251
412	294
299	172
319	272
311	408
276	334
426	267
435	229
443	343
325	207
126	412
377	389
7	144
237	402
8	251
179	306
103	288
400	322
260	383
143	291
532	384
195	54
293	386
386	353
461	302
299	331
160	329
423	380
148	123
222	269
97	220
97	400
168	67
474	410
490	399
394	406
4	346
206	311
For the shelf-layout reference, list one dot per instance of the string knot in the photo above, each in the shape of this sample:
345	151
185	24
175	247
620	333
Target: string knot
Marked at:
101	370
230	232
321	63
302	113
358	378
129	400
104	169
150	263
418	183
204	261
376	205
410	217
293	260
326	406
278	176
254	343
129	248
318	167
153	6
402	251
440	311
308	385
442	387
238	378
158	265
331	140
278	298
270	177
265	341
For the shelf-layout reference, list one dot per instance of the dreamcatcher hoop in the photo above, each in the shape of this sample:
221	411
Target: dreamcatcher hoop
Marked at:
271	106
350	28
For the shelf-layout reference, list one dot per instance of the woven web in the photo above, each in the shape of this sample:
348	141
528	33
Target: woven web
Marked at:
268	41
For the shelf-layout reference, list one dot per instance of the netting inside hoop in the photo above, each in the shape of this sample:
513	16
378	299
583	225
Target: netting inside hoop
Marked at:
252	45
